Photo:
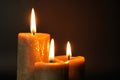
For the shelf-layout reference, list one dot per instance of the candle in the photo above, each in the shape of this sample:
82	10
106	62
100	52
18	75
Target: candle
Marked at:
76	64
32	47
53	70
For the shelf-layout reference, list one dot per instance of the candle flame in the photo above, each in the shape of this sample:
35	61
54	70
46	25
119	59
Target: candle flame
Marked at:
68	50
51	53
33	22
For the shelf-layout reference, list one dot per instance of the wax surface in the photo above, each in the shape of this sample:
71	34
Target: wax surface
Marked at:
51	71
31	48
76	67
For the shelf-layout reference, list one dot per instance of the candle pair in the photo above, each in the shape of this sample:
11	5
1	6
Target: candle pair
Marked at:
76	65
60	67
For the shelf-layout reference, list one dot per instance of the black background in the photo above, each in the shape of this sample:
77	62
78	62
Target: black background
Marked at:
90	25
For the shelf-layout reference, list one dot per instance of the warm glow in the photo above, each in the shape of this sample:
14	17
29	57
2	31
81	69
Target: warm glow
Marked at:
33	22
68	50
51	53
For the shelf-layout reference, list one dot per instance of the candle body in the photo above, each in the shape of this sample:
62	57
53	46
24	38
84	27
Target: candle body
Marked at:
76	67
30	48
51	71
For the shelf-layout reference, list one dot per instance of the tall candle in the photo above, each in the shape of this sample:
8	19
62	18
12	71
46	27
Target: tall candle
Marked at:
32	47
76	64
53	70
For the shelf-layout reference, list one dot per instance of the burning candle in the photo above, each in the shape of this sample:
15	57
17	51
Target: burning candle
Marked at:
53	70
32	47
76	64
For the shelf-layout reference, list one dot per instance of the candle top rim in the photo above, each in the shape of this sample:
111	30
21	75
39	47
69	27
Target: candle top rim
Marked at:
30	34
78	58
21	33
51	64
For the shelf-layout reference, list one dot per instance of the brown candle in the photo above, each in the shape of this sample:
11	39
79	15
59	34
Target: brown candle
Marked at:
32	47
76	64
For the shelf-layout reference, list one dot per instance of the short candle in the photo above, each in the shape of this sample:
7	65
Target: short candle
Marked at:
76	64
53	70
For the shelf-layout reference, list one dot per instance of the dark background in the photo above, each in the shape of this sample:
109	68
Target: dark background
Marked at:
90	25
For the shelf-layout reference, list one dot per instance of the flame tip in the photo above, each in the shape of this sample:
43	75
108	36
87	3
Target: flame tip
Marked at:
32	9
52	39
68	42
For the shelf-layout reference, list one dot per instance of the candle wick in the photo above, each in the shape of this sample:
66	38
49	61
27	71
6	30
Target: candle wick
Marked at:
33	33
69	57
51	61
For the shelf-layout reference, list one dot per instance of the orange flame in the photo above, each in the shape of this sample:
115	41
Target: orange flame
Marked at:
51	53
68	50
33	22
